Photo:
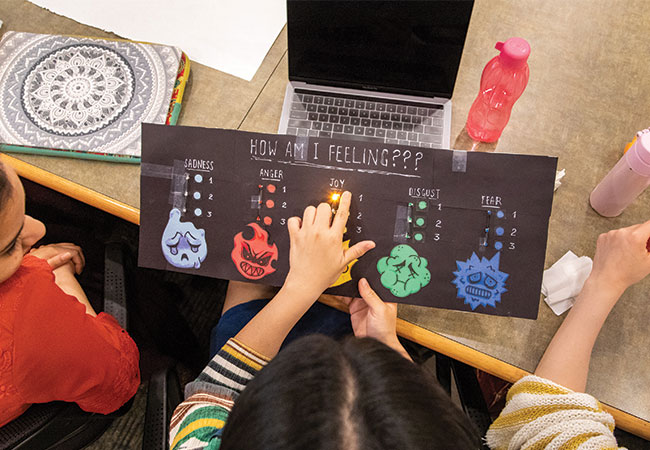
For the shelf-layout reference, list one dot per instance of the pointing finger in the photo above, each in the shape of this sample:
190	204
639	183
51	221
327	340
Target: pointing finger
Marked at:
342	212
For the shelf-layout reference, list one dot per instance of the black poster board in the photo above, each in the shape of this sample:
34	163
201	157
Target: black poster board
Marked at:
454	229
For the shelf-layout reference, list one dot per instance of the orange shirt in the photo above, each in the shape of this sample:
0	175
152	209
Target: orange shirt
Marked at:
50	349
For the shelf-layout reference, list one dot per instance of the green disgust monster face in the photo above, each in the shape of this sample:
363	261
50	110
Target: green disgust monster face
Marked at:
403	272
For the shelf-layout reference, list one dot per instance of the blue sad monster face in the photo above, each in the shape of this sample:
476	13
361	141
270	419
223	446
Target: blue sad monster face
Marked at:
479	281
403	272
183	245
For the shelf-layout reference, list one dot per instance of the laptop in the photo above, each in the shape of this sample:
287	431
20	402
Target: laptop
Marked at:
378	71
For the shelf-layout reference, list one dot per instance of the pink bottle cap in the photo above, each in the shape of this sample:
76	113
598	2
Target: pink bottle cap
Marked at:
638	156
514	51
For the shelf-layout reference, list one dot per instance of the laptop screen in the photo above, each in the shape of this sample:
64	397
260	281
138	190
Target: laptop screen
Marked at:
402	46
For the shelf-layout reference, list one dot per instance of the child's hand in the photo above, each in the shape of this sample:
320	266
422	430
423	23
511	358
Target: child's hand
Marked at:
372	317
317	257
621	258
60	255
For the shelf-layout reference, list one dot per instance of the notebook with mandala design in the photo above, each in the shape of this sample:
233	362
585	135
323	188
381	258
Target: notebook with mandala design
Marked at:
85	97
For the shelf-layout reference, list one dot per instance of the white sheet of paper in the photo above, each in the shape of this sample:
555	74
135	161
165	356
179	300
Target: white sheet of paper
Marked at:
233	36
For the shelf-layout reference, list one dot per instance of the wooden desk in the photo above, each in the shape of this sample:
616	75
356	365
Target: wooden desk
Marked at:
585	99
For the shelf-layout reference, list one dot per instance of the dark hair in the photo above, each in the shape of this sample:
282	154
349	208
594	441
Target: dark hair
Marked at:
359	394
5	186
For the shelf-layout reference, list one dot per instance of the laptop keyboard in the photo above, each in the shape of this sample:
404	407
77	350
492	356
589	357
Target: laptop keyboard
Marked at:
320	114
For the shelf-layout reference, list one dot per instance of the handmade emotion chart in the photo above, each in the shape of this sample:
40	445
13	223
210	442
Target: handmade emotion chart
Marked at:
455	230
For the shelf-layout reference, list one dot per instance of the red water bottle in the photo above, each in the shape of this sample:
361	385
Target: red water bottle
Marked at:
502	83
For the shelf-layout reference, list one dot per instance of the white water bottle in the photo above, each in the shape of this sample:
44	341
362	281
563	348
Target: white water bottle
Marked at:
627	179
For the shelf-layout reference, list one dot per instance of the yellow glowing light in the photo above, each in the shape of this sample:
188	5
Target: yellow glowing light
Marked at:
336	196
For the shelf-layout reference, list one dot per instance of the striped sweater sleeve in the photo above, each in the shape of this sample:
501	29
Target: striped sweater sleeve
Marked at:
197	422
540	414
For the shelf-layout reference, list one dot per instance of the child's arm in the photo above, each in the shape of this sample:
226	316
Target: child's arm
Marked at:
545	407
66	259
621	260
316	260
65	279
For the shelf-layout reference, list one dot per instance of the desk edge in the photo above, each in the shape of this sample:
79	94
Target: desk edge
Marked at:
72	189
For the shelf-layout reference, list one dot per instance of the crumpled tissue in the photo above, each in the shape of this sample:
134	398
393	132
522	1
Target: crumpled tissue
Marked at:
564	280
558	178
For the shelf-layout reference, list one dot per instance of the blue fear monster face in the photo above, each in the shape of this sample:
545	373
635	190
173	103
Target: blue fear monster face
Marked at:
479	281
403	272
183	245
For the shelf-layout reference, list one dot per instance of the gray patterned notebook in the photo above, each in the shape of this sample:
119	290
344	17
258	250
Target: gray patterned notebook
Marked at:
84	96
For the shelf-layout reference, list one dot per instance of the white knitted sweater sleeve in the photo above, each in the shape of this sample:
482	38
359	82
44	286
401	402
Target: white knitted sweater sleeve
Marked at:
540	414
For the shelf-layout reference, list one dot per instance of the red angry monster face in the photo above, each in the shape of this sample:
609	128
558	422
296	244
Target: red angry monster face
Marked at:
254	258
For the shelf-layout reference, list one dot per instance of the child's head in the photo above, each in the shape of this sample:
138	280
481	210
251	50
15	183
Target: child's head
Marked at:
360	394
18	232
